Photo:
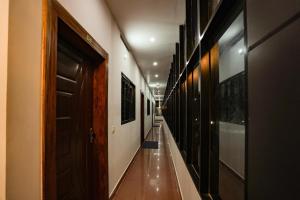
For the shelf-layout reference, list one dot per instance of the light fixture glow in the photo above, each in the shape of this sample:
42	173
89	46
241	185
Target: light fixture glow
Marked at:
242	51
155	63
156	75
152	39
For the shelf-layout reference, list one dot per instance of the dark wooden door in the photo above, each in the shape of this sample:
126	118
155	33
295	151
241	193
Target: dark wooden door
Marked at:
74	121
142	118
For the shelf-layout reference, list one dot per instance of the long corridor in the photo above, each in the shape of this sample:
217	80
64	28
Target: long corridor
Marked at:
151	176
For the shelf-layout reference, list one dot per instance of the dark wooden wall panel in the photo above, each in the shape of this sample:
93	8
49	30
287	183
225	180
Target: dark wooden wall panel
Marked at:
265	16
274	105
204	133
182	47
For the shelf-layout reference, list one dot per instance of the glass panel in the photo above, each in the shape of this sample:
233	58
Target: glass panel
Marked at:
192	28
189	113
231	98
213	4
196	122
183	107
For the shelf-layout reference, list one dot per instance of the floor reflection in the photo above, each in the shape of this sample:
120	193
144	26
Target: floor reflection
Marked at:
152	175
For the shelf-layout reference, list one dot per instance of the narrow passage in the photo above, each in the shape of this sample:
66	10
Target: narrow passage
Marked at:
152	175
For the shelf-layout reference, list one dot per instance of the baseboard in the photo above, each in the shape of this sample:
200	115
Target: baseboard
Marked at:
177	178
148	133
126	170
123	175
181	169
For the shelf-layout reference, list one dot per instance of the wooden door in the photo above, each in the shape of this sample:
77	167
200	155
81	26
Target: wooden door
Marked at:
74	122
142	118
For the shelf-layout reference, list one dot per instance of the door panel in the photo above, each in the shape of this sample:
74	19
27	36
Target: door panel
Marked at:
73	119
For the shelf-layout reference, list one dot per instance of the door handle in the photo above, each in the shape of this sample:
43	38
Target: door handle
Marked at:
91	136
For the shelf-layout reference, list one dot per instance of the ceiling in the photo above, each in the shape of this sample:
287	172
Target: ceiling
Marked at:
151	28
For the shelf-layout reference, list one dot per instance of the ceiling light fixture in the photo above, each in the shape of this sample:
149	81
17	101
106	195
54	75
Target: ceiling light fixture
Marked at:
155	63
156	75
152	39
242	51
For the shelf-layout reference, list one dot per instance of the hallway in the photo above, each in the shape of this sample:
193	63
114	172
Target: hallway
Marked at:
149	100
151	175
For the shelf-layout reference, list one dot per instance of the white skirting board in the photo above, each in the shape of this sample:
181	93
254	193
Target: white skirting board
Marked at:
187	187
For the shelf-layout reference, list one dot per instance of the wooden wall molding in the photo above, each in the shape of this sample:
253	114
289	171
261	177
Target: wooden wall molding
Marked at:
53	12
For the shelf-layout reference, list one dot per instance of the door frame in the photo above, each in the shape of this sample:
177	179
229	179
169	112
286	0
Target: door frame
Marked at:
53	12
142	118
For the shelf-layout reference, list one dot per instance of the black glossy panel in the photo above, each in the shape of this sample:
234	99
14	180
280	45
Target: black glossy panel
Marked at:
265	15
128	100
274	105
232	99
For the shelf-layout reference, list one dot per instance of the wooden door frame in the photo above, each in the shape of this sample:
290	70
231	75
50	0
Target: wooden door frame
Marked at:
142	124
53	12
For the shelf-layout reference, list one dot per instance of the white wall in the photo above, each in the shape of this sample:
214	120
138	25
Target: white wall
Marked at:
187	187
24	119
123	141
24	101
3	89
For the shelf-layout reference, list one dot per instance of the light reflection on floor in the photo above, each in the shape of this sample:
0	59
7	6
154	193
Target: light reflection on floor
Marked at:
152	175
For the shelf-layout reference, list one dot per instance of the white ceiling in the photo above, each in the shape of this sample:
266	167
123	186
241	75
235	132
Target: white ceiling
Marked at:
140	20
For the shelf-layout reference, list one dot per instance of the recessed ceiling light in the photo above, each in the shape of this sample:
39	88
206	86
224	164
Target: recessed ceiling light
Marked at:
242	51
152	39
155	63
156	75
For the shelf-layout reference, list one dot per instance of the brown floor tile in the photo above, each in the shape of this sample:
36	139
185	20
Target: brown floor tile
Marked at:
152	175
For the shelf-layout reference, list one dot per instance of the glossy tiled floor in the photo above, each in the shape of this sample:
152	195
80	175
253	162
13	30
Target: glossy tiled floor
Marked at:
152	175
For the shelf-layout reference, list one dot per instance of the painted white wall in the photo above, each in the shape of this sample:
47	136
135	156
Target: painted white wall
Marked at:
24	118
24	101
187	187
3	91
123	140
